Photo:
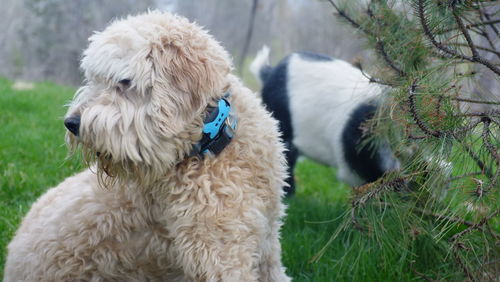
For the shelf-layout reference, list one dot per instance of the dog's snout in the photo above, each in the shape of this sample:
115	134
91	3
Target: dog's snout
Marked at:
73	124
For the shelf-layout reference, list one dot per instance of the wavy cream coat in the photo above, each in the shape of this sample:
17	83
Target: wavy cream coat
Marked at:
144	211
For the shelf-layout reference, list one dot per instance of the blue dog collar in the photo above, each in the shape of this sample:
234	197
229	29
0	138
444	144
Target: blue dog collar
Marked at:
222	112
218	129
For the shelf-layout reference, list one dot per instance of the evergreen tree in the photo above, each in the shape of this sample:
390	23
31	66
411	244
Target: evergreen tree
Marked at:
437	218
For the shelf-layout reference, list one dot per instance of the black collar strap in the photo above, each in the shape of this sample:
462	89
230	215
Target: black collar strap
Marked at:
218	129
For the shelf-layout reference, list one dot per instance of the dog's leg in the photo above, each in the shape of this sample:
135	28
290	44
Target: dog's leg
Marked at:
218	249
291	158
271	268
270	265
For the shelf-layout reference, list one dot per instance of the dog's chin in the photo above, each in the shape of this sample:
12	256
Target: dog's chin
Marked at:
71	141
111	168
106	163
107	168
111	171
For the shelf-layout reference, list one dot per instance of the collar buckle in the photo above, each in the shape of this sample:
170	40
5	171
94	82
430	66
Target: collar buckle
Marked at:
218	130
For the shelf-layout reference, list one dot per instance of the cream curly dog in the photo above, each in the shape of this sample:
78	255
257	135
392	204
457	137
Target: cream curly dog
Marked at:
148	209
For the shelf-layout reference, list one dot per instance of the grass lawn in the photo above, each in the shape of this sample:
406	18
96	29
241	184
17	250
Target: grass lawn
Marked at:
33	158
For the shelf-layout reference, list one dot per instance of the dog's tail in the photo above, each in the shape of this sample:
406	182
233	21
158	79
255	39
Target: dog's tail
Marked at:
260	66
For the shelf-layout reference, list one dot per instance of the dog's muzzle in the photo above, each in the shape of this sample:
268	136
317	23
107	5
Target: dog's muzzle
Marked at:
73	124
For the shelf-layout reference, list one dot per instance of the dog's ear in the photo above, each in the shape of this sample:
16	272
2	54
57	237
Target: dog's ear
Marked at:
196	66
189	69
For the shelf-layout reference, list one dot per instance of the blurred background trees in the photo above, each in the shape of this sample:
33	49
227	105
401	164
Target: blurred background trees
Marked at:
43	39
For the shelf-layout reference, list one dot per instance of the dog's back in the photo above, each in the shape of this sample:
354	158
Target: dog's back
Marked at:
274	92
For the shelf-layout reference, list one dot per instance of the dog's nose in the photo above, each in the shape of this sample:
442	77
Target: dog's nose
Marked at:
73	124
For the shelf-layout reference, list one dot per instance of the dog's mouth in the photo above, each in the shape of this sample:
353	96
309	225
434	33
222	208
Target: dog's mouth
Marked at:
104	156
105	163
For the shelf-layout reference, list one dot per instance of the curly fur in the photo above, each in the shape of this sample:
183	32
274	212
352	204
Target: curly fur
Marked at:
144	211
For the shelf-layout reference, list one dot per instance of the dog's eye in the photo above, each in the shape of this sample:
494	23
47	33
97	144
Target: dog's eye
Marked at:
123	84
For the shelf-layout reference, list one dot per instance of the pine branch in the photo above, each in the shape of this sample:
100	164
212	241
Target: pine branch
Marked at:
372	189
421	275
370	78
447	218
469	26
486	139
494	181
484	14
380	47
416	116
464	176
465	32
475	101
429	118
344	15
491	113
413	137
478	47
466	128
476	159
481	30
479	191
452	53
475	54
492	150
458	245
462	265
483	221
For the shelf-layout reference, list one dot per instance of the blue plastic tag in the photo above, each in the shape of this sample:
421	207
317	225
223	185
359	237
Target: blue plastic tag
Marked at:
214	126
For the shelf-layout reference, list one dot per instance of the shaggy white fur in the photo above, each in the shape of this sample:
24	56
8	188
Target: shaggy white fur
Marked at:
317	98
324	119
145	211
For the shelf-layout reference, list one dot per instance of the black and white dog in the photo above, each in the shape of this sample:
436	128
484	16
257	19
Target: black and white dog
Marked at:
321	104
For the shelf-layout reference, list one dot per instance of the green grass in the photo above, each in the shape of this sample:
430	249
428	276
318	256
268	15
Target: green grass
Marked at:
33	158
32	151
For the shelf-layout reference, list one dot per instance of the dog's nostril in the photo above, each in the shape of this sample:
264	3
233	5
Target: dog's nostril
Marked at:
73	124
